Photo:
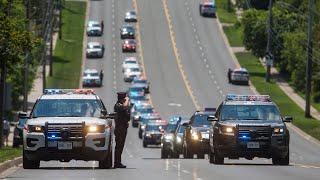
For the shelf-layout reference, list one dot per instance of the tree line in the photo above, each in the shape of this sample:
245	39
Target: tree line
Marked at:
289	38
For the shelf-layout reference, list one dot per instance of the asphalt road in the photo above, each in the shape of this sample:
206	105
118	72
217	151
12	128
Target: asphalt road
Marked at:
186	60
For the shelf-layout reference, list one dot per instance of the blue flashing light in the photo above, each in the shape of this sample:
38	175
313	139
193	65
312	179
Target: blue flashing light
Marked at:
244	136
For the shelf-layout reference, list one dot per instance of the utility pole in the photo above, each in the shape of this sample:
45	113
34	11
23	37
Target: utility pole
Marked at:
269	61
26	61
309	60
60	19
2	96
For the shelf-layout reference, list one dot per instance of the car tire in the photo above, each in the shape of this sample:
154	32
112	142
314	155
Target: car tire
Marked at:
164	154
218	158
144	144
187	154
107	162
200	156
211	158
283	161
30	164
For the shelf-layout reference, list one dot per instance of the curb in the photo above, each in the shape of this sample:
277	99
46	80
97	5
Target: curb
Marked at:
10	163
85	39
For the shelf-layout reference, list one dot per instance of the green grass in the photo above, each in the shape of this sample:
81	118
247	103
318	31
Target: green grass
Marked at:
223	14
8	153
234	34
67	58
286	105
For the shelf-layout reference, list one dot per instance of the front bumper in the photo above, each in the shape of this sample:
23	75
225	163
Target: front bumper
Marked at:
127	36
202	146
93	147
231	147
129	49
152	140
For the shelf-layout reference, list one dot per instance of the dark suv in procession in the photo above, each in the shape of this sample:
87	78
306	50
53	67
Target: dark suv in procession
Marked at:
248	126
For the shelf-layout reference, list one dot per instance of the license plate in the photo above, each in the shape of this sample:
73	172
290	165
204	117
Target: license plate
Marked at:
253	145
64	145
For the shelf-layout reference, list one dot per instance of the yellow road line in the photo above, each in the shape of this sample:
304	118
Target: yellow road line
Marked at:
177	55
138	36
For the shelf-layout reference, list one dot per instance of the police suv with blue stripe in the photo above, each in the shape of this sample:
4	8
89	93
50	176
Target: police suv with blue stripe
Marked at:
248	126
65	125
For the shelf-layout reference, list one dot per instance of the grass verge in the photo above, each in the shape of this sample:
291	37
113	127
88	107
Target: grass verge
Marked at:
286	105
8	153
67	59
224	15
234	34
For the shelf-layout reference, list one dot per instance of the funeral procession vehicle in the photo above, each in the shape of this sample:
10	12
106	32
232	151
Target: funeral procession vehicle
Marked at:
65	125
196	135
248	126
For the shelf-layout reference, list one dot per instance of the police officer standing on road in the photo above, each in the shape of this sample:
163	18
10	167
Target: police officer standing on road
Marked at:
122	118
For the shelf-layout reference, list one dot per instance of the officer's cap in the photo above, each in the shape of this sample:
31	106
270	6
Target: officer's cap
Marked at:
122	95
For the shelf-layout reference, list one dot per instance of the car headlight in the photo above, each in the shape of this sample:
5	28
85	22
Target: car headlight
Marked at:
168	137
195	136
179	140
227	131
148	135
136	116
35	128
278	130
96	129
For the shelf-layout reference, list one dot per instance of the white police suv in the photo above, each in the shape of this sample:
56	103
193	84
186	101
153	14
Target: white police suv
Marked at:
65	125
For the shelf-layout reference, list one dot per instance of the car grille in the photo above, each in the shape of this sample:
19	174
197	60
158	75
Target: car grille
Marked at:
73	131
156	136
255	133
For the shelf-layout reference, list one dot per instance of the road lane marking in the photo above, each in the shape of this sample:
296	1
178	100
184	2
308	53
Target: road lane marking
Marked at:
177	55
140	49
185	171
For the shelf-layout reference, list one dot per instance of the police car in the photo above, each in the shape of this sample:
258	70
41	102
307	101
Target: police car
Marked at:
92	78
65	125
130	16
144	119
207	8
248	126
153	132
138	110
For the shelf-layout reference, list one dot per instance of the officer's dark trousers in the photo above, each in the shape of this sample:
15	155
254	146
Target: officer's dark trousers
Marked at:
120	137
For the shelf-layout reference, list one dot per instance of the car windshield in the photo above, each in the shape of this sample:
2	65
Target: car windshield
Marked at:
90	74
22	121
131	13
145	110
171	128
130	42
136	89
241	73
95	25
250	112
129	28
181	129
135	70
96	47
67	108
200	120
140	81
130	62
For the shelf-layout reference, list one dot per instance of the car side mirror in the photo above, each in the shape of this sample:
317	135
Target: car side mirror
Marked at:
186	124
111	115
287	119
212	118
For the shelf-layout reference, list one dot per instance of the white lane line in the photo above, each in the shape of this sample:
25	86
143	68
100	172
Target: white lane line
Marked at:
210	71
200	47
205	60
207	66
215	82
218	87
185	171
221	92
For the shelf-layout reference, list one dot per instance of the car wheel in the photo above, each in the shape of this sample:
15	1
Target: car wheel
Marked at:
200	156
211	157
218	158
284	161
164	154
30	164
186	153
107	162
144	144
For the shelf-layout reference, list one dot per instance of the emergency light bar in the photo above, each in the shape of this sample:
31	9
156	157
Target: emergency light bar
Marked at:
234	97
68	91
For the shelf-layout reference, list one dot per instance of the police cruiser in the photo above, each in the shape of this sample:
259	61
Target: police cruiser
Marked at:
65	125
248	126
